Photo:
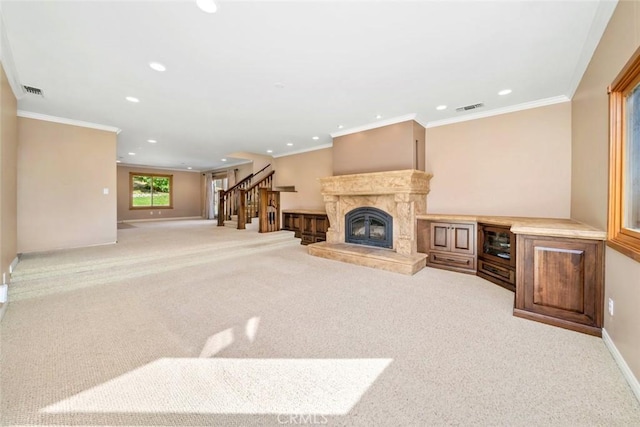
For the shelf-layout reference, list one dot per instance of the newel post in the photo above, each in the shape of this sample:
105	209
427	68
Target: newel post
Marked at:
221	208
242	211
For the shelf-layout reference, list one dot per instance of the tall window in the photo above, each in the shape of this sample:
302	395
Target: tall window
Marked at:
624	160
150	191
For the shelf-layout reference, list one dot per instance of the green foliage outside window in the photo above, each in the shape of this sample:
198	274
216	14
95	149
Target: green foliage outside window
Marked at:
150	191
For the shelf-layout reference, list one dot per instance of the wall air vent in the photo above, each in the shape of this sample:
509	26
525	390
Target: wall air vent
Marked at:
470	107
33	90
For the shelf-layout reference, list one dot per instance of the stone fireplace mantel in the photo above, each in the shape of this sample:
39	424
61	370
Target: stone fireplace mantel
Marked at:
401	194
394	182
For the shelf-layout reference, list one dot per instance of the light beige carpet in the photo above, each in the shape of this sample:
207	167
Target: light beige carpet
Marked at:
184	323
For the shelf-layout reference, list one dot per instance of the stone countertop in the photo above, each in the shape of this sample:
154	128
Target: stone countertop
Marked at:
552	227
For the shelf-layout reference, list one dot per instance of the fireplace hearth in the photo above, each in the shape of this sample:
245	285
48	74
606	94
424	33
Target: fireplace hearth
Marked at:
369	226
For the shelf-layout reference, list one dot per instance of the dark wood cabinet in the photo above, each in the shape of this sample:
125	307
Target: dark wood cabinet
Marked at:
310	227
448	245
560	282
497	255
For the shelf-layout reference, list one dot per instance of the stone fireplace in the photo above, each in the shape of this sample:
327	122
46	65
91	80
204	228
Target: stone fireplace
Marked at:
400	195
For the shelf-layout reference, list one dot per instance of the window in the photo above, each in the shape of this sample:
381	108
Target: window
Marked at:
624	160
150	191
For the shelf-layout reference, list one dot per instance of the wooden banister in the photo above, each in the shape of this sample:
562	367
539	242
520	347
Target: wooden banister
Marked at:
243	199
262	170
252	204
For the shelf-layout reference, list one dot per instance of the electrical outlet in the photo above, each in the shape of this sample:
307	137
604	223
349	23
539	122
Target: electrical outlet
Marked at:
610	307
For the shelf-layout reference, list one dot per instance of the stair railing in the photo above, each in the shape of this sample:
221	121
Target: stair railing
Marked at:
251	199
229	200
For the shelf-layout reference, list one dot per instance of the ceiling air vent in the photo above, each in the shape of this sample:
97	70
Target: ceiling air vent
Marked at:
470	107
33	90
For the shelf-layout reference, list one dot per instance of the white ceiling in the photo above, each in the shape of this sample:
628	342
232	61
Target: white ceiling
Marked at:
257	75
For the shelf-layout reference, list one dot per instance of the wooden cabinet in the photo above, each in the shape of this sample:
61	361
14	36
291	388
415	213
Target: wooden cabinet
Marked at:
560	282
448	245
497	255
310	227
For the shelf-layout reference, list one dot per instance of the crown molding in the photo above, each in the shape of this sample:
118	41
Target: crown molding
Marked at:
227	166
305	150
64	121
374	125
499	111
599	23
158	168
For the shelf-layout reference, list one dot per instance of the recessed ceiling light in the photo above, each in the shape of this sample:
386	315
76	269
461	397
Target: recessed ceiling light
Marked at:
223	160
132	99
315	138
118	161
290	144
157	66
505	92
441	107
208	6
132	154
378	116
151	141
269	151
340	126
189	168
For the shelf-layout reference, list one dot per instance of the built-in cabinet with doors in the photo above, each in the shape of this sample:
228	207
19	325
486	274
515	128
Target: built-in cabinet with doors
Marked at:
557	276
497	255
561	282
309	226
450	245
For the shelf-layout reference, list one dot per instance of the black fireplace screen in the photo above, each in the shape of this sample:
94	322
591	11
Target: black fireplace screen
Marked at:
369	226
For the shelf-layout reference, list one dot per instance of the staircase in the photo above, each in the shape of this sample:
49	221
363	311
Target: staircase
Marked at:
251	198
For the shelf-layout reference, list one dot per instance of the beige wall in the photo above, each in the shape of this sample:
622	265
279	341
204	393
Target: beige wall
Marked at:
514	164
62	171
8	172
382	149
187	195
590	174
419	136
303	171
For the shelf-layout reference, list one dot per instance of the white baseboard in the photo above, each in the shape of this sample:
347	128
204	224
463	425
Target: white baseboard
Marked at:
161	219
13	265
622	364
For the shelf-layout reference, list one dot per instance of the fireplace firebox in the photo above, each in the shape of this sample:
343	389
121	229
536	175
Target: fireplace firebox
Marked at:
369	226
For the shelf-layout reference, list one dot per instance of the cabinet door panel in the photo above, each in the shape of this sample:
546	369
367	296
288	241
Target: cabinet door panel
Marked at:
558	280
322	224
561	278
463	239
439	236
